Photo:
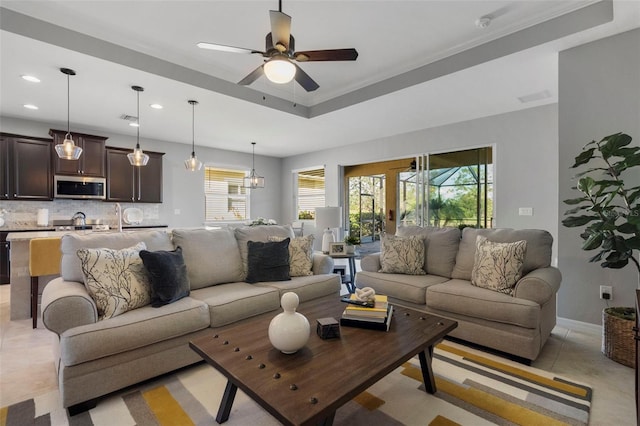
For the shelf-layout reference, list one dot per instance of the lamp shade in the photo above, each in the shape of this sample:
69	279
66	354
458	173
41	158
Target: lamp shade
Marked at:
328	218
279	69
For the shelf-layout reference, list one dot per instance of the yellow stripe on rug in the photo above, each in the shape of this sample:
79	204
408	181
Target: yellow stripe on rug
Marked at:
166	409
369	401
442	421
535	378
3	416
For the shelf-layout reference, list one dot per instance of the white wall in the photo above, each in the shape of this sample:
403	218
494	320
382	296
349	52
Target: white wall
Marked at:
182	190
599	96
526	159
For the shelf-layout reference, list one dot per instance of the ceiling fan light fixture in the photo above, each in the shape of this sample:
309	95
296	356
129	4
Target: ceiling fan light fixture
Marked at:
279	69
138	157
67	150
192	163
253	181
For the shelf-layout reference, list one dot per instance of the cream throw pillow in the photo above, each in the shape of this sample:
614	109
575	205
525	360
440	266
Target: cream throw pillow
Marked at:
498	266
402	255
300	255
115	279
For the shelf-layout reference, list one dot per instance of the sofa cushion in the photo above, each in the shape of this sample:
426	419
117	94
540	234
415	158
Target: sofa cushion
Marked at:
460	297
167	275
300	255
440	247
211	256
308	287
402	255
261	233
538	254
411	288
132	330
498	266
70	268
233	302
115	279
268	261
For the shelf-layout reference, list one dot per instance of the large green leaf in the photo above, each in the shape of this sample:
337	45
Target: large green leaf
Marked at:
584	157
574	201
575	210
593	242
573	221
612	144
632	197
627	228
585	184
633	243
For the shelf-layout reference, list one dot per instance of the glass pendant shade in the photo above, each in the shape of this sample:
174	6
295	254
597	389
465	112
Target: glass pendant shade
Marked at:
279	70
192	163
253	181
68	150
138	157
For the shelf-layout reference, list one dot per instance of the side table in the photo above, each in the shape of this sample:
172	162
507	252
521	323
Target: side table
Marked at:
351	257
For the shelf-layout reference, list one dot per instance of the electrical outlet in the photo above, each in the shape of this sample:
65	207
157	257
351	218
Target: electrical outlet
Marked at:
606	292
525	211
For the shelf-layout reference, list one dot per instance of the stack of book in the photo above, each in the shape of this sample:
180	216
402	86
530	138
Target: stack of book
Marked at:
377	317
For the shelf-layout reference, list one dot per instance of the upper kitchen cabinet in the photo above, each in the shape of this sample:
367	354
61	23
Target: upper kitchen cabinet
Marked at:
127	183
25	168
90	163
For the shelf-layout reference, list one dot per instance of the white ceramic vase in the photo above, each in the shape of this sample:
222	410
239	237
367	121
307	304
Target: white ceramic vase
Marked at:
289	331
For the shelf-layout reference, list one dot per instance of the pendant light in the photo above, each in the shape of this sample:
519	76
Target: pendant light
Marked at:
137	157
253	181
192	163
68	150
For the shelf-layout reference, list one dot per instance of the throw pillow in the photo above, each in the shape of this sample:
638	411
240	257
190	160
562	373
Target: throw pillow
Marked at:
268	261
167	274
402	255
115	279
300	255
498	266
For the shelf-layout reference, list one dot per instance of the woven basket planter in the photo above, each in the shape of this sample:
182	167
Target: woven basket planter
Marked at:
618	343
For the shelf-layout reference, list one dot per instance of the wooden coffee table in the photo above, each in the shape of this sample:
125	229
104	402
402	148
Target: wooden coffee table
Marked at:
309	386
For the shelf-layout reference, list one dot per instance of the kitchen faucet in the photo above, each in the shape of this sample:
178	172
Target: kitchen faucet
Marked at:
119	214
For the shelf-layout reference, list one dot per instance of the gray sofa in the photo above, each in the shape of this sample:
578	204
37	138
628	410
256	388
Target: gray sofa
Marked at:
96	357
517	323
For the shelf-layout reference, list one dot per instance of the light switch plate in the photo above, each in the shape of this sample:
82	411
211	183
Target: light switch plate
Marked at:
176	211
525	211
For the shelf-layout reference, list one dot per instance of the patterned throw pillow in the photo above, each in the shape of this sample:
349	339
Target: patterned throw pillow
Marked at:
115	279
402	255
300	255
498	266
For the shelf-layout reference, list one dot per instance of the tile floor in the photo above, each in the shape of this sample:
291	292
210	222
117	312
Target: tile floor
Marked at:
27	366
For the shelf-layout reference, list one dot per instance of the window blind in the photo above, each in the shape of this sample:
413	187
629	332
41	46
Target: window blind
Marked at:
311	192
225	197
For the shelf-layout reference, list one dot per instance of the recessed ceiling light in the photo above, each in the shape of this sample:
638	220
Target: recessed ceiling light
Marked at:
134	125
30	106
538	96
156	106
30	78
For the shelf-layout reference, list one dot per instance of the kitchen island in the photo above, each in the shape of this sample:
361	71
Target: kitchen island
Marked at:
20	299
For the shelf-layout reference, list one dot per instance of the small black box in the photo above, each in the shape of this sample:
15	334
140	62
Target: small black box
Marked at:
328	328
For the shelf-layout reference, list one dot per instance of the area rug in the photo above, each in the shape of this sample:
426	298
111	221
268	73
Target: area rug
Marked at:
474	388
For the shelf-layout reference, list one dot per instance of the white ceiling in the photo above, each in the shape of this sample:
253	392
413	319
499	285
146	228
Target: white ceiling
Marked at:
420	64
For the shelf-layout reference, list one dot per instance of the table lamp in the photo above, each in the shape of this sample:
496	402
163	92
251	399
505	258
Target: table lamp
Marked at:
328	218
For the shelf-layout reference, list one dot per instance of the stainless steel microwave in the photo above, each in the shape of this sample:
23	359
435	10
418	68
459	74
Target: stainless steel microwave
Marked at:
80	187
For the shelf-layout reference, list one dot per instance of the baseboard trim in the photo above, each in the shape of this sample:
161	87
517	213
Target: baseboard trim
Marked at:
584	327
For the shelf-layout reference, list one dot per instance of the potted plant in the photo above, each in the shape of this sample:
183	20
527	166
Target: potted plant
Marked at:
609	210
351	241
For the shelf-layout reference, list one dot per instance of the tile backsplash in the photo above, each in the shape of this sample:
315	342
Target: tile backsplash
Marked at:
24	213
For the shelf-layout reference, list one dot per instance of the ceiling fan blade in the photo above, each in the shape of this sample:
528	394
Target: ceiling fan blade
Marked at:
223	48
304	80
327	55
280	29
253	76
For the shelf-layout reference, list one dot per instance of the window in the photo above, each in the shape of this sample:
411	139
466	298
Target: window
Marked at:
225	197
310	193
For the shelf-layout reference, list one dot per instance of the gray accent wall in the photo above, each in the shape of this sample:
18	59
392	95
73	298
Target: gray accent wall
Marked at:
526	158
599	95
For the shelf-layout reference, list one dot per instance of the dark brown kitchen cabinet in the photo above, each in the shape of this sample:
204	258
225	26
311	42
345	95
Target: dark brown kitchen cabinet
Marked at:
4	258
91	161
26	168
127	183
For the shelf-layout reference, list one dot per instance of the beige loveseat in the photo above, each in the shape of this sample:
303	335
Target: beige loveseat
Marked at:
99	356
517	323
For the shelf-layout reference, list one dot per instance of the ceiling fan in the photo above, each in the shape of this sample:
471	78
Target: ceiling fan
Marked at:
279	67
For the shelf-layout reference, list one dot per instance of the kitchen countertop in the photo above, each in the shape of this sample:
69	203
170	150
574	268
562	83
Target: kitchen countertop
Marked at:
23	235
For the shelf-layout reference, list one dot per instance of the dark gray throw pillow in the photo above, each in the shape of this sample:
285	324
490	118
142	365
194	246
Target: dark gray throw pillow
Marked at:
167	274
268	261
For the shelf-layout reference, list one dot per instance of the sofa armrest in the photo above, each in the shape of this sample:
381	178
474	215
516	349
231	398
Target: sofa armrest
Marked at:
370	262
322	264
65	305
539	285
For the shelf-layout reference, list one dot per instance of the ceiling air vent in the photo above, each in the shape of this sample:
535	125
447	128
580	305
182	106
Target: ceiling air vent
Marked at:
131	118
